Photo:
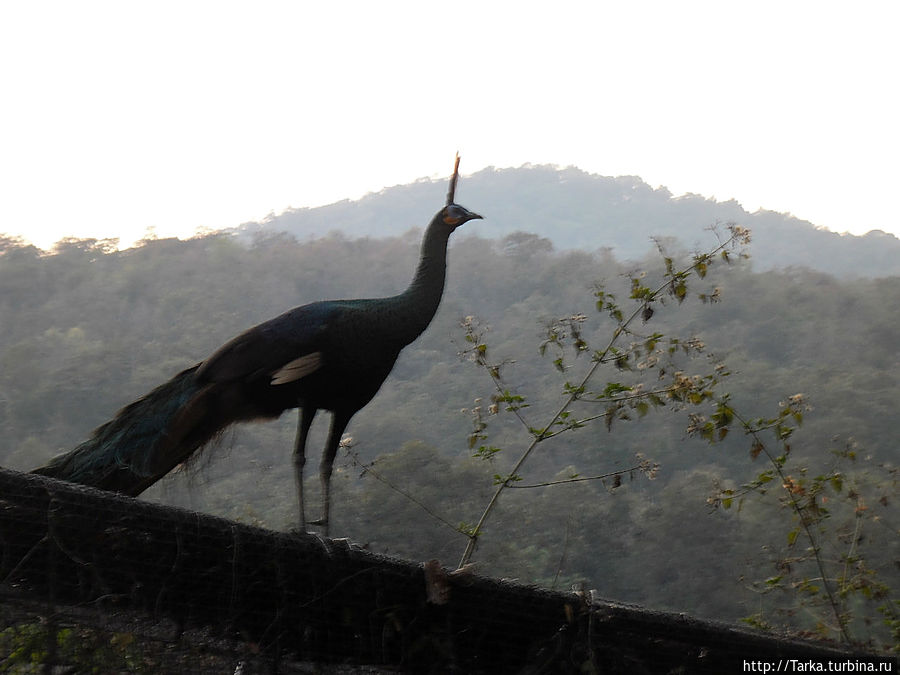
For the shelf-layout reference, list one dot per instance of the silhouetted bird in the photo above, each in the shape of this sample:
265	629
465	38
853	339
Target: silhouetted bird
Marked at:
331	355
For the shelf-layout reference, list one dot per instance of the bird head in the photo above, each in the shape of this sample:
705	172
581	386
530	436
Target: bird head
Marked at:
455	215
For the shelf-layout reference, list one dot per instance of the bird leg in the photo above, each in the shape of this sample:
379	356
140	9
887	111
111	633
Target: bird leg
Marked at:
339	421
304	422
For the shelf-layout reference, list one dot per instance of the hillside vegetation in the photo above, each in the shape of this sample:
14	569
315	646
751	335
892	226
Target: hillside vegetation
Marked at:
86	329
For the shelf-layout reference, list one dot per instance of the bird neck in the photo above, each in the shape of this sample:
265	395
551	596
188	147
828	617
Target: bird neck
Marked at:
419	302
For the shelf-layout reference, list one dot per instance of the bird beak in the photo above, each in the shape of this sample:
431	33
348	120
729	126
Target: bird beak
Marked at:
466	217
469	216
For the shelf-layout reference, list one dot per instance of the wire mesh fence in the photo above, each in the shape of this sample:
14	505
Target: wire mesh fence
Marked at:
96	582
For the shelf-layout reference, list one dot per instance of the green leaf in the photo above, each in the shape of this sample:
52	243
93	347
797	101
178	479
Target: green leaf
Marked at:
792	537
809	587
467	529
723	416
486	452
613	389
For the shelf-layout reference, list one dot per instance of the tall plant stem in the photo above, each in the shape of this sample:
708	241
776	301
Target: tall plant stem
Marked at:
599	357
804	523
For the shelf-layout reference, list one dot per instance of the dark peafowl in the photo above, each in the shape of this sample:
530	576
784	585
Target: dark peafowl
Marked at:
331	355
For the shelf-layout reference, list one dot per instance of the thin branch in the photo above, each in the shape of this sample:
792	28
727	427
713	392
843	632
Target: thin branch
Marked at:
804	522
541	435
629	397
577	424
514	409
577	479
368	469
851	554
564	555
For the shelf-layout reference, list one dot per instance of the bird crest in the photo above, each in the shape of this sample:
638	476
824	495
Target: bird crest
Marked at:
451	194
454	214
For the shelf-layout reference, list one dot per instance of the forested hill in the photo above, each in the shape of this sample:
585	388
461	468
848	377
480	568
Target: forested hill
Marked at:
578	210
87	328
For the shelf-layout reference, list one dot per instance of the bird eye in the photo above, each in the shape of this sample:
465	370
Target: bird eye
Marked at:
452	214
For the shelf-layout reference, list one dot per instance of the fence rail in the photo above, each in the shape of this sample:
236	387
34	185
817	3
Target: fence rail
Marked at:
299	597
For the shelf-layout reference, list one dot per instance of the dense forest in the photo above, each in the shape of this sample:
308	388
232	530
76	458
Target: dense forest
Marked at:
86	328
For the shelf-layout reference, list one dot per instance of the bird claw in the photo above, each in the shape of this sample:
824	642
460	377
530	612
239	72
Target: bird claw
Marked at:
321	523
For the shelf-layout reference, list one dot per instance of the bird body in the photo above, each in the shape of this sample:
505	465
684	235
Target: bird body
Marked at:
329	355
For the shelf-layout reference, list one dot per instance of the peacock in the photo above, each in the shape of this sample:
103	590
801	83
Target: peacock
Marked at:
330	355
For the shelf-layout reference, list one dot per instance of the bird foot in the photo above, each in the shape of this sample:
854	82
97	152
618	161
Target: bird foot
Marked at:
321	523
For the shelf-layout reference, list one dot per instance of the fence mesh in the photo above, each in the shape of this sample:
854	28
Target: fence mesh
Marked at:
96	581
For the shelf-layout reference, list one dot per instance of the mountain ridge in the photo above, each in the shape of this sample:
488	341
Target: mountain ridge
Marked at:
575	209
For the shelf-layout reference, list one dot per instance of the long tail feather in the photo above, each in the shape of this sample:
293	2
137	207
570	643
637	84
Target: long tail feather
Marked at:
145	440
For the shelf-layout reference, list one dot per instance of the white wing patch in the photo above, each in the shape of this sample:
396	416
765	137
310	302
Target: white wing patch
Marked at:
297	369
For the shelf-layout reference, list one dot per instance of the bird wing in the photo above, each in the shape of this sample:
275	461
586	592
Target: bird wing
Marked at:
298	368
284	349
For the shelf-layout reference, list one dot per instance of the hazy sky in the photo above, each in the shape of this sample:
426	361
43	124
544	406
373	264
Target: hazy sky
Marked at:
119	116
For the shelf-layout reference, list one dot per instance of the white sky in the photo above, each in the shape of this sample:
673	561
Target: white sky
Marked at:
119	116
